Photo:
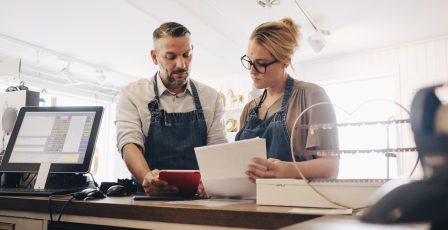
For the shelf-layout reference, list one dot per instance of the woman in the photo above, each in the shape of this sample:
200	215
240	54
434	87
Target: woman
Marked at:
271	47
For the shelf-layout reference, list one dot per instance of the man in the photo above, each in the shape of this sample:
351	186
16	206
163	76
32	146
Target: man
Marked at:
160	120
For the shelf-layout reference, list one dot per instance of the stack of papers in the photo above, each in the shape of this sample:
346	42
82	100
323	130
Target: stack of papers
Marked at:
223	167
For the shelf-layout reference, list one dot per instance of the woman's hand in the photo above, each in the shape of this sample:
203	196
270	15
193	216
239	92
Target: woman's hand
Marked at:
270	168
155	187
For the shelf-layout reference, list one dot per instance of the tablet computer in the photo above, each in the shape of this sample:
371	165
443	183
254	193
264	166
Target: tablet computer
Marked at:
187	181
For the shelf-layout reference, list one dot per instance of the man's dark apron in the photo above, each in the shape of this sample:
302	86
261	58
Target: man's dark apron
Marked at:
172	136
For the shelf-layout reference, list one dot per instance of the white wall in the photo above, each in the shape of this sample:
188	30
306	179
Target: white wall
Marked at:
414	65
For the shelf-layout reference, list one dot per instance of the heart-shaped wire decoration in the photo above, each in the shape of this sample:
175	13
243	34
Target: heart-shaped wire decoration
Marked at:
334	125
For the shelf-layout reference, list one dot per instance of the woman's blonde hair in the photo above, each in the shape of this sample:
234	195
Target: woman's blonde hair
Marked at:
280	38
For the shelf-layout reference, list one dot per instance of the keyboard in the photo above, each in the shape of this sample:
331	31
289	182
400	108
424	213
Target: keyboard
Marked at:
38	192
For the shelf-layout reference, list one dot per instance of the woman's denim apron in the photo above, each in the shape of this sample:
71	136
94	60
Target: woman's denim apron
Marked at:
273	129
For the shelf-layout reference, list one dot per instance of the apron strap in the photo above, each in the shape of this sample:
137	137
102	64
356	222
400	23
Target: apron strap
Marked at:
153	106
197	101
287	94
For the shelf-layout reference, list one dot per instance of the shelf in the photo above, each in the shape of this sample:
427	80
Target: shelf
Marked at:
359	151
334	125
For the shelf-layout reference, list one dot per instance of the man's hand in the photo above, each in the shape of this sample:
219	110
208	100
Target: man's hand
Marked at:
201	191
155	187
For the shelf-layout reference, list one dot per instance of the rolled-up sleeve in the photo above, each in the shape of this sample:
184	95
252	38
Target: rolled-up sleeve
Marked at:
321	138
128	122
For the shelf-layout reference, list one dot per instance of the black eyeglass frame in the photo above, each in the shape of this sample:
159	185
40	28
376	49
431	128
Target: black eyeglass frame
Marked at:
246	59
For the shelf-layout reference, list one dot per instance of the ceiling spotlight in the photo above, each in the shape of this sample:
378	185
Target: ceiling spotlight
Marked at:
267	3
67	74
318	40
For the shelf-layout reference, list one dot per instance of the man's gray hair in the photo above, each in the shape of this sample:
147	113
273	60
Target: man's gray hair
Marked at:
170	29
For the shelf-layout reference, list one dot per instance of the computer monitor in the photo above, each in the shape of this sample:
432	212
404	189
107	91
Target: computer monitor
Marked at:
61	138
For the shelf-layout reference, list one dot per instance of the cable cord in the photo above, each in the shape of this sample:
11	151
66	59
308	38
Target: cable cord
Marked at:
93	179
63	207
50	209
297	167
31	181
50	202
25	179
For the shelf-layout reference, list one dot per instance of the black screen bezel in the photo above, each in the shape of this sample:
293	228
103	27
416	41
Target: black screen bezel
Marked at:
6	166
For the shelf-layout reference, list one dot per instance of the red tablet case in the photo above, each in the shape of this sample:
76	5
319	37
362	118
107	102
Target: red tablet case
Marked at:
186	182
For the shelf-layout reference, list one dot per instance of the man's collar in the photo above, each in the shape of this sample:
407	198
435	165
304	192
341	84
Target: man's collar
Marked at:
161	87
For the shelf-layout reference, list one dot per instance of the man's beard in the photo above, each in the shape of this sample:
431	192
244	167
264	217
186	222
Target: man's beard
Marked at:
172	80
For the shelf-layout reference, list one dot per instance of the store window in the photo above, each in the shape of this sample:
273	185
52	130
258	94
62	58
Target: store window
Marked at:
362	101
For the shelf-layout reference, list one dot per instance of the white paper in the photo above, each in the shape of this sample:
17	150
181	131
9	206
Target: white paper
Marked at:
223	167
211	202
322	211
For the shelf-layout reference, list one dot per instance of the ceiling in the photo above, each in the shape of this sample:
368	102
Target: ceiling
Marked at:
114	37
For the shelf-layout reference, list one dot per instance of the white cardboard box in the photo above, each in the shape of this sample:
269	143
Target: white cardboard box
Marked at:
296	193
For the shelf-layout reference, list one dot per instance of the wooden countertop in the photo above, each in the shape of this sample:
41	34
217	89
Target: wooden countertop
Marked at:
237	215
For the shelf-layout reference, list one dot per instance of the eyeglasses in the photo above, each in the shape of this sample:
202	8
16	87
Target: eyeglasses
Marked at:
259	67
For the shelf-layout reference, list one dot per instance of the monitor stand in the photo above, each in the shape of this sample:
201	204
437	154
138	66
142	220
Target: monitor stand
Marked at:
42	175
